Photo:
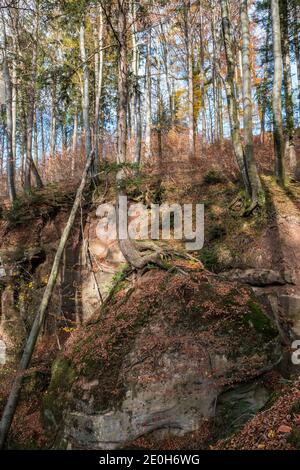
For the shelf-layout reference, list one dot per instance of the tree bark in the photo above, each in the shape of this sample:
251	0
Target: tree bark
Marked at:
159	112
35	140
74	141
43	140
167	74
290	152
148	100
9	131
231	96
296	26
264	88
85	96
99	57
189	55
202	82
31	97
137	118
53	118
257	195
277	85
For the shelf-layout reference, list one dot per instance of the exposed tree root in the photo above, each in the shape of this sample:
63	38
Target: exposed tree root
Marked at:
250	209
132	253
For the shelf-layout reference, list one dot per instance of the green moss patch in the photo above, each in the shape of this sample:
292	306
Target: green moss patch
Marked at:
260	321
54	400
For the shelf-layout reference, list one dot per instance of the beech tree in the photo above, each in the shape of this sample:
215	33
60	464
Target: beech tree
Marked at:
277	85
257	195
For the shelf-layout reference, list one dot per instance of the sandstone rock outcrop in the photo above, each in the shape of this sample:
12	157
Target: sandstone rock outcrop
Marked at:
157	359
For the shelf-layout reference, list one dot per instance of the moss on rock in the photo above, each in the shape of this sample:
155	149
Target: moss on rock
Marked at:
260	321
56	397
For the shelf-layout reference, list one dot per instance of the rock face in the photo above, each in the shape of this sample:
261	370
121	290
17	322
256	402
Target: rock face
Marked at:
157	359
291	305
255	277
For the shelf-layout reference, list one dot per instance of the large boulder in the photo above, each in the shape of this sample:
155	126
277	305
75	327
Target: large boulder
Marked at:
156	358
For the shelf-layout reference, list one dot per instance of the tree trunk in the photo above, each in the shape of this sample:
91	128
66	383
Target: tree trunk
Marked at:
277	85
167	74
202	83
220	110
148	101
53	119
214	81
264	88
137	118
290	152
85	97
31	97
189	55
257	195
9	131
14	107
99	56
35	140
74	141
159	114
43	140
231	96
122	90
296	26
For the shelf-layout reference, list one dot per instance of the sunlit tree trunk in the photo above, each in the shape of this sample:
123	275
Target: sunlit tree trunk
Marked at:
189	57
42	139
35	139
9	131
14	108
165	54
148	100
257	195
231	96
264	86
214	81
31	97
202	82
220	110
159	111
296	27
277	85
99	56
53	118
122	90
136	97
290	152
85	96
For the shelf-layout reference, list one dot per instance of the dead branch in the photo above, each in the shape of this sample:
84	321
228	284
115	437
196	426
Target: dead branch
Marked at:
12	401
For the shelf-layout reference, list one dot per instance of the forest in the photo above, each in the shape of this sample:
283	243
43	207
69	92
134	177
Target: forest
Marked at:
173	112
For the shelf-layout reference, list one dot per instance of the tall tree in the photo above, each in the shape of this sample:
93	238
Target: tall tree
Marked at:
85	92
9	130
277	85
190	75
231	95
148	100
295	8
290	152
99	62
30	166
257	195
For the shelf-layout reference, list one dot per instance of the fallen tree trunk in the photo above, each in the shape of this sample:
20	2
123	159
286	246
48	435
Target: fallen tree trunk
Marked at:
12	400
